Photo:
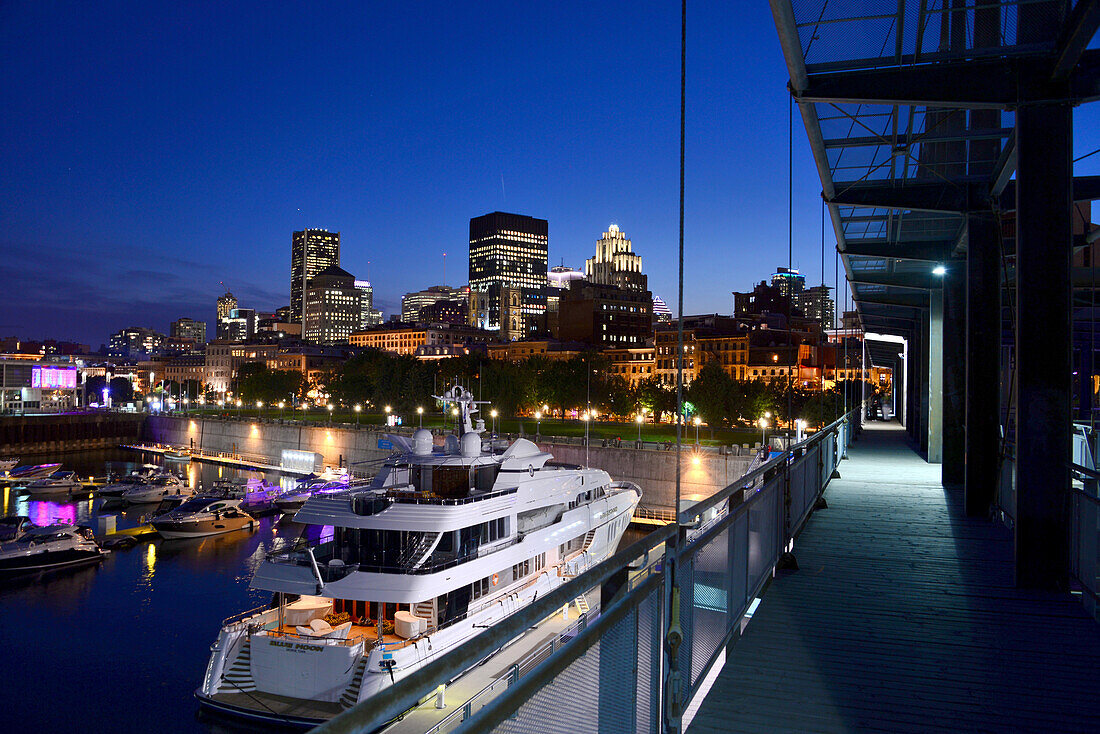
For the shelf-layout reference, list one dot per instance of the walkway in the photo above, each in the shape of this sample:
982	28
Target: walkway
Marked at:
903	617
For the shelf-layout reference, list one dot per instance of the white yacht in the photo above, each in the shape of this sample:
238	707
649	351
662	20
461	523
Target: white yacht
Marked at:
56	483
156	489
446	541
55	546
202	516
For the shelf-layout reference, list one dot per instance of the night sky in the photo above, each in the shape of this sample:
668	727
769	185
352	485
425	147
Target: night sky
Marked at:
150	152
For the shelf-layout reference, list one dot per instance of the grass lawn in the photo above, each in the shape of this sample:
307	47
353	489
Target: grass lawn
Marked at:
598	430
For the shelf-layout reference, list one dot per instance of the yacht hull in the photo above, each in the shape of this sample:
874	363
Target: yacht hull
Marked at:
203	528
49	560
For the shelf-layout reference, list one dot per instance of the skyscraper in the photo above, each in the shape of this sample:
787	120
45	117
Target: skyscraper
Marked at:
411	303
615	263
508	251
332	307
789	282
311	251
368	314
226	303
818	305
186	328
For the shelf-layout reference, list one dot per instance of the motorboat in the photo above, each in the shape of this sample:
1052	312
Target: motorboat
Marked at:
6	465
119	486
202	516
177	454
291	501
445	542
28	473
56	483
155	489
54	546
13	527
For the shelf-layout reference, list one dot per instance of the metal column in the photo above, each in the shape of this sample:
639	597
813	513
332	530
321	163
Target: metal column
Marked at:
935	377
1043	342
923	408
953	471
983	364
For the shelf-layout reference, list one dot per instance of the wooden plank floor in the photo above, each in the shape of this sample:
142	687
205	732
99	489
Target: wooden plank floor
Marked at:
903	617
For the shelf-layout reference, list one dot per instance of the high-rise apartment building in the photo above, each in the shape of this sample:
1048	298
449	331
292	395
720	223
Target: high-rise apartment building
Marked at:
186	328
615	263
333	307
368	314
411	303
817	304
508	251
135	342
311	251
241	325
789	282
226	303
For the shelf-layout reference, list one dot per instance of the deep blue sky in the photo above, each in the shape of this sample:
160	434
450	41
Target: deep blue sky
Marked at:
149	153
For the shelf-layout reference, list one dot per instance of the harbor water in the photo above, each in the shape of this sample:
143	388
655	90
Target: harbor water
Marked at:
123	645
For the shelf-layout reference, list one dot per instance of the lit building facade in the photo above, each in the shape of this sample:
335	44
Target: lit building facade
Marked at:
223	359
789	282
633	365
558	279
605	315
368	314
186	328
411	303
240	326
615	263
311	251
816	303
333	307
405	339
226	304
509	251
135	342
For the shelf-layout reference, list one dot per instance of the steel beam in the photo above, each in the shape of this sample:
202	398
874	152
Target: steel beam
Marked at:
906	281
1043	343
955	197
953	471
927	251
1079	29
907	300
983	364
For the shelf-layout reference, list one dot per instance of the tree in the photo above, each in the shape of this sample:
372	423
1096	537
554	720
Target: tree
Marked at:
259	383
710	393
122	390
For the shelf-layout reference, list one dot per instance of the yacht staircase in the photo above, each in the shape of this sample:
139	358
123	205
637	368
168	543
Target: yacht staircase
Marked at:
238	678
415	554
582	604
350	696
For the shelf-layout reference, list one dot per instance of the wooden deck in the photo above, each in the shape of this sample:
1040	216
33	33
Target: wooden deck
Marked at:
904	617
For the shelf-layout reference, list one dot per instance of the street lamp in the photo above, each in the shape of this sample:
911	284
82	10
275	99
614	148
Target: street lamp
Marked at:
260	406
239	404
494	414
697	421
358	408
763	423
282	404
538	423
330	414
639	419
420	414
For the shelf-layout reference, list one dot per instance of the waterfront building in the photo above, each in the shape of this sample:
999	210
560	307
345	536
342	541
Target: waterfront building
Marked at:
723	335
311	251
224	359
135	342
368	314
412	303
817	304
552	349
605	315
186	328
405	339
508	252
38	386
185	369
633	364
615	263
333	307
313	363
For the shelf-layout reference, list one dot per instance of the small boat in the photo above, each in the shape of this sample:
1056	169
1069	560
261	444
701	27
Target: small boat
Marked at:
33	472
155	489
6	465
54	546
202	516
118	487
291	501
180	454
57	483
13	527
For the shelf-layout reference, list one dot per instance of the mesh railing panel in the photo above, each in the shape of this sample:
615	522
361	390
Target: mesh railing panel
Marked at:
763	532
602	689
710	610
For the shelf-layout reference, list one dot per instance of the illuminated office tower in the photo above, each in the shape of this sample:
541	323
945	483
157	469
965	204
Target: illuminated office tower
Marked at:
508	253
311	251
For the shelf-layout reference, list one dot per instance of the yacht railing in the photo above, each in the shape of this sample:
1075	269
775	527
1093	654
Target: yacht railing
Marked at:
416	497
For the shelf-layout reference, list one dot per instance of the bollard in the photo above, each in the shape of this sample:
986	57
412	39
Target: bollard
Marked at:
106	524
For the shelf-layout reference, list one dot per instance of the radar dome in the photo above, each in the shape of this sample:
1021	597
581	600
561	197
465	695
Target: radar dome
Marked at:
422	442
471	444
450	444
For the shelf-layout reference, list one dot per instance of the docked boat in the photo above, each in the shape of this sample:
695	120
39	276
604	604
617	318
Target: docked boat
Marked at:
291	501
13	527
56	483
155	489
202	516
6	465
445	542
177	454
43	549
28	473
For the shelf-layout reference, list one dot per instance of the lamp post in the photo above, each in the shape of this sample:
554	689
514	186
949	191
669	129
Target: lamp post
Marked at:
585	418
282	404
494	414
358	408
330	414
538	423
454	412
697	421
388	409
239	404
420	414
763	423
639	419
260	407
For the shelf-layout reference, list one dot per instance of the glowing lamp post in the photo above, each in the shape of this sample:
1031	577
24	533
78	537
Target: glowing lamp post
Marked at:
763	423
800	427
330	414
420	414
639	419
697	421
260	408
358	408
282	404
538	424
493	413
239	404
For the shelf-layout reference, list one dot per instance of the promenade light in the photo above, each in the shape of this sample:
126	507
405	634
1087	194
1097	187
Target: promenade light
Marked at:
259	403
419	410
454	412
358	407
493	412
282	404
387	409
939	270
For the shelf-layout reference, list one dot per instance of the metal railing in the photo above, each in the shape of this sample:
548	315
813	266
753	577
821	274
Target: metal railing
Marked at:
671	603
1085	528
